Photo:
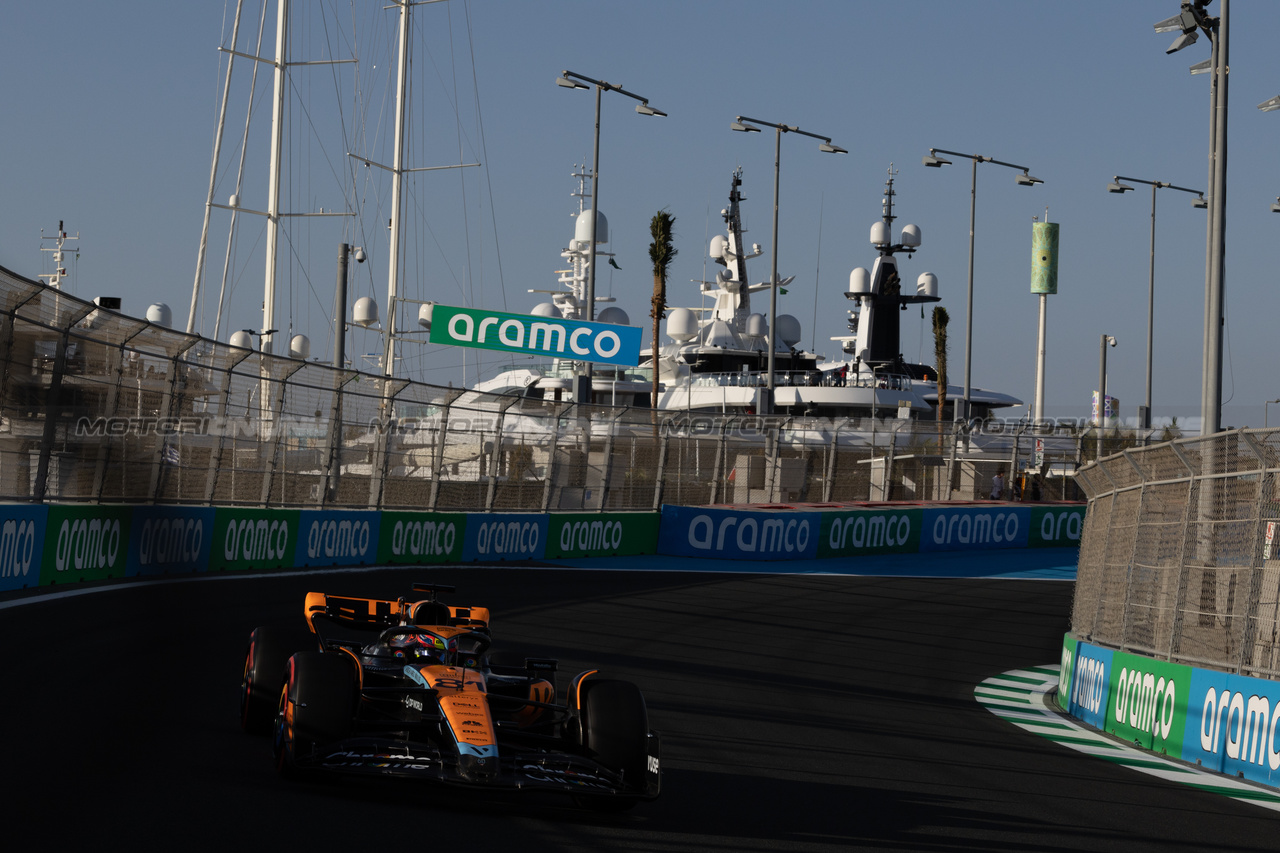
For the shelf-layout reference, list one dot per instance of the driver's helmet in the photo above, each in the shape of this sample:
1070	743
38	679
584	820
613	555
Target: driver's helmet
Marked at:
422	647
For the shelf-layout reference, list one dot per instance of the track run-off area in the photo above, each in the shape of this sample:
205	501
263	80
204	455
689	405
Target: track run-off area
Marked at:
803	711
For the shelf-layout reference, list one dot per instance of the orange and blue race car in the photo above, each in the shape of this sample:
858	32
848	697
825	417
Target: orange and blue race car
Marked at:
405	688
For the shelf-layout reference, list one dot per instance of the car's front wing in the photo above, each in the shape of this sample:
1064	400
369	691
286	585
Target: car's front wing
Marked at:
517	768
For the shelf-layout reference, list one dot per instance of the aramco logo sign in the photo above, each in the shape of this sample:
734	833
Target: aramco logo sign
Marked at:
553	337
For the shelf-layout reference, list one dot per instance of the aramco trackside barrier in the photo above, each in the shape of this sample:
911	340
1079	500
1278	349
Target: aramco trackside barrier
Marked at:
1175	626
1221	721
807	532
43	545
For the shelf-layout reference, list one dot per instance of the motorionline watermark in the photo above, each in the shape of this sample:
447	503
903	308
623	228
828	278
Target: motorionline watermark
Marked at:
679	425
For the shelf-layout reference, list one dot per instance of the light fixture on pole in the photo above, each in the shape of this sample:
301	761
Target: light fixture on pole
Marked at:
1266	411
1107	340
570	80
1189	22
932	160
1116	186
742	125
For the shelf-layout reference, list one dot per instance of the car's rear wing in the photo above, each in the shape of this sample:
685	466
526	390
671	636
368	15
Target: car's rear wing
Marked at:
376	614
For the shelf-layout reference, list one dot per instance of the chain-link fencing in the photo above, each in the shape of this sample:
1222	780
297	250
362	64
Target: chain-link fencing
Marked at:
100	407
1176	558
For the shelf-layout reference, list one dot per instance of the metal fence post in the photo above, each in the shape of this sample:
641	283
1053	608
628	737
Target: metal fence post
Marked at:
660	475
1180	593
53	405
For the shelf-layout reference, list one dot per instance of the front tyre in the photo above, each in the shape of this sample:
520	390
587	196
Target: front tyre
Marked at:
264	665
315	706
615	730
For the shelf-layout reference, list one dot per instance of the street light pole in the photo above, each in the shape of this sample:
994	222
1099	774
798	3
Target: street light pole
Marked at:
1189	22
1266	411
742	125
1107	340
1144	413
571	80
933	161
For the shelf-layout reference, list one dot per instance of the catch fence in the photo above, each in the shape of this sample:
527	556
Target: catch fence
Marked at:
1177	559
100	407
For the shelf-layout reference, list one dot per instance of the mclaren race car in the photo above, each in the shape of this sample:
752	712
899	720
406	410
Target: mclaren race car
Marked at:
405	688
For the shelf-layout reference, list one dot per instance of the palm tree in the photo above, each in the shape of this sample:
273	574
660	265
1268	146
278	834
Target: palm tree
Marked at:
940	321
661	253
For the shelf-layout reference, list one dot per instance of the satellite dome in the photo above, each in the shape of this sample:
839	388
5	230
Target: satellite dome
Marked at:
879	234
300	347
242	340
757	325
860	282
789	331
544	309
582	228
927	284
425	311
910	236
682	325
160	314
614	315
718	246
365	312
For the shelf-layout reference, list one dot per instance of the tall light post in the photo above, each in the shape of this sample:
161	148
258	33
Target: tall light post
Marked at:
1107	340
1189	22
933	161
570	80
1144	412
1266	412
741	124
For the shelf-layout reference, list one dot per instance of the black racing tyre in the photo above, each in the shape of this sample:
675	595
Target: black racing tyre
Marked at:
264	661
316	703
615	729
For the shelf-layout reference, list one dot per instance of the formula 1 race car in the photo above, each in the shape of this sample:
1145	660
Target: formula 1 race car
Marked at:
406	689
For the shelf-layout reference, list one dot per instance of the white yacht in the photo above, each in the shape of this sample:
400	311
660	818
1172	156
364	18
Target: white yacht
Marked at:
716	358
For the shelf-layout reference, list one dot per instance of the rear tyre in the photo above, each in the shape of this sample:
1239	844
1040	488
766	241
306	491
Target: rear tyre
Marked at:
264	663
615	729
316	703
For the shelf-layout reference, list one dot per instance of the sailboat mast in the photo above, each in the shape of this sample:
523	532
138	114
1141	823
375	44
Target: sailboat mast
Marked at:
213	175
273	190
397	171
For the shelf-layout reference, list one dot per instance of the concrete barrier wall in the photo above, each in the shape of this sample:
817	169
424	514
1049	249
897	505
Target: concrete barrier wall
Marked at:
1219	720
59	544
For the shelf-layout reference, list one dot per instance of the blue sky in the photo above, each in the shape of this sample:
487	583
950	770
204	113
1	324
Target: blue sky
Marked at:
111	110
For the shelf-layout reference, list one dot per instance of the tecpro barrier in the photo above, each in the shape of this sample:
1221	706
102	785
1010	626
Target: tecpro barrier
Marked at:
803	533
58	544
1218	720
594	535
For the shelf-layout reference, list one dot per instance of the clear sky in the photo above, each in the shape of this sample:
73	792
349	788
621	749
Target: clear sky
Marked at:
110	111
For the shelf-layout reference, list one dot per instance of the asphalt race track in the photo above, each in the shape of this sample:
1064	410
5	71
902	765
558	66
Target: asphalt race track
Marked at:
800	712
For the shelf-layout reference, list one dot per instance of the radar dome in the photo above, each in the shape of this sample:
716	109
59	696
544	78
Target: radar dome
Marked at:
614	315
879	234
910	236
927	284
160	314
300	347
365	312
757	325
789	331
425	310
242	340
682	325
718	247
860	282
582	228
544	309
